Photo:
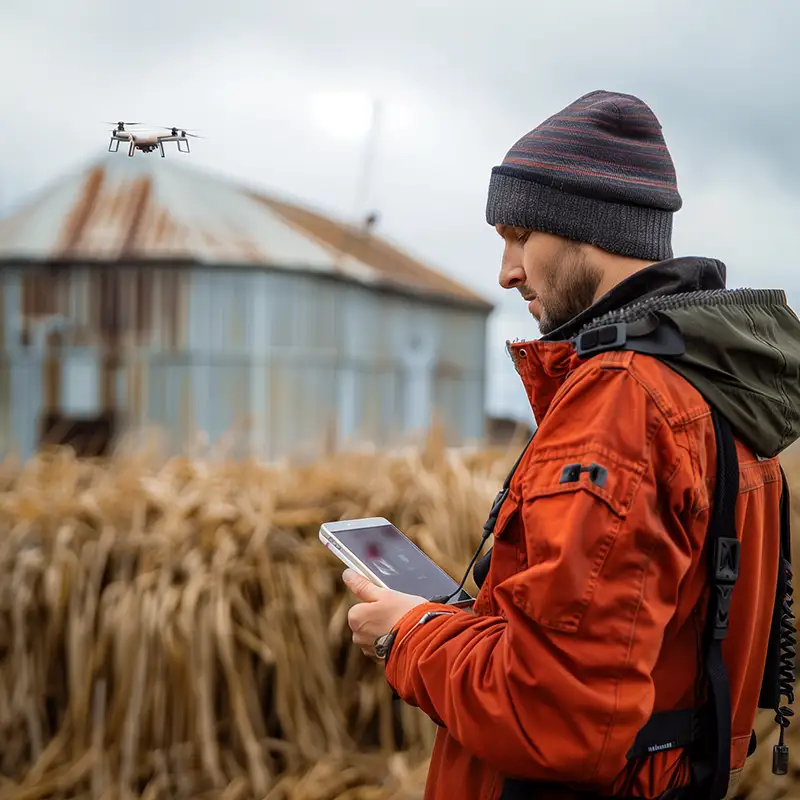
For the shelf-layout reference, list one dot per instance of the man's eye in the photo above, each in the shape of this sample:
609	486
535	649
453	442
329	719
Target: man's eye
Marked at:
523	237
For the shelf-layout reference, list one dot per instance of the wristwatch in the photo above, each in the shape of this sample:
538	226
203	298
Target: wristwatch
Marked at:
383	645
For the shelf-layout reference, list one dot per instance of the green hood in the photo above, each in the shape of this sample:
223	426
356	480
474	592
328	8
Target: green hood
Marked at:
741	347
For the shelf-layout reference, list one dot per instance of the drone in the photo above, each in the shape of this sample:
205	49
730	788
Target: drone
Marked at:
147	143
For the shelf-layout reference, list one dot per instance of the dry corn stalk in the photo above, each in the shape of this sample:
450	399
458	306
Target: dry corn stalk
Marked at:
173	628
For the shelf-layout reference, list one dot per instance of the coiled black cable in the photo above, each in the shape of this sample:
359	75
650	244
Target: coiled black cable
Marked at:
786	668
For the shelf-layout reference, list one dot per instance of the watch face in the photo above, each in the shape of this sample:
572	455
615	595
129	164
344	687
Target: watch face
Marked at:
382	645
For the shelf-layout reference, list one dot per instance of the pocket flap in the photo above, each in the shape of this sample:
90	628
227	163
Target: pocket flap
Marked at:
609	480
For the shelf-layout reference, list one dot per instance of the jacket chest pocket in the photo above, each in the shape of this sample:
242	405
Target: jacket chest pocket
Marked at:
576	509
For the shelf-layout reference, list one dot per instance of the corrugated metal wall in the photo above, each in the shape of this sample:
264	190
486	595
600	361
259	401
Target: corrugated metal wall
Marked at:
278	360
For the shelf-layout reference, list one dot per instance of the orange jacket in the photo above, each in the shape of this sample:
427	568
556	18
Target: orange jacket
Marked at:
590	617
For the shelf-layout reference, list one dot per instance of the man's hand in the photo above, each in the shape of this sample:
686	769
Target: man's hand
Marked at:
379	611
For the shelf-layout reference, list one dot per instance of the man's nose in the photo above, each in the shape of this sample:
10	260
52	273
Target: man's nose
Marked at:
512	273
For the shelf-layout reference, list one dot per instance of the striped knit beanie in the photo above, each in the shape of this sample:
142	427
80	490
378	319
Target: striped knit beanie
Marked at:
599	172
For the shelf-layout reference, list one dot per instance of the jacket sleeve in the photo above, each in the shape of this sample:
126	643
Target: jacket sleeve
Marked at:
557	685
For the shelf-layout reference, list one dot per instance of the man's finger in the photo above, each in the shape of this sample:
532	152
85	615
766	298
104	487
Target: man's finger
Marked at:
354	619
361	587
362	639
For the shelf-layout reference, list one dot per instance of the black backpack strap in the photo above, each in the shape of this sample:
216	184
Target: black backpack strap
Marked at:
706	732
723	551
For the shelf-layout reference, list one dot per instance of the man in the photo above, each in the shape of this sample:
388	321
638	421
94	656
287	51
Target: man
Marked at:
591	621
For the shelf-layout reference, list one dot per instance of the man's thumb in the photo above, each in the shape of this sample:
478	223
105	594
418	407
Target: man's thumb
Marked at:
361	587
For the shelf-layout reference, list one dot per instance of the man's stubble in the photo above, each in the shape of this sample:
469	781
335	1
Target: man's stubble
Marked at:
568	288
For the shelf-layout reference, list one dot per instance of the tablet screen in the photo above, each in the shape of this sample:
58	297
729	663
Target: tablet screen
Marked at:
398	562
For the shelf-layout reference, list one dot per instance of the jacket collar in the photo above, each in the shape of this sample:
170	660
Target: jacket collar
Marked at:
544	364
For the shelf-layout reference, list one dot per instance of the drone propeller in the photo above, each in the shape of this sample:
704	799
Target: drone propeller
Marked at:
179	131
120	122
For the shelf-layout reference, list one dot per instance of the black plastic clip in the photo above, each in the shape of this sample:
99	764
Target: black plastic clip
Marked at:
726	559
598	340
726	572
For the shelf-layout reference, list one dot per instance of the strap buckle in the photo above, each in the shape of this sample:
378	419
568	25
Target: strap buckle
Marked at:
725	573
598	340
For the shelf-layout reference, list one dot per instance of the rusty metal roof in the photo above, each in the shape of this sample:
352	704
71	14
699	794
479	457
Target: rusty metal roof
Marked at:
147	209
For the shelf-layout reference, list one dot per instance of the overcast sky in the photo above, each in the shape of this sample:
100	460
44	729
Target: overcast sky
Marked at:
459	80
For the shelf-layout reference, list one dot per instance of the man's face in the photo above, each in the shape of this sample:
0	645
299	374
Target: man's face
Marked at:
553	274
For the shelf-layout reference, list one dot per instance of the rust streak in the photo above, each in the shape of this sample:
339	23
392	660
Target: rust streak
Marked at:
162	227
74	225
394	264
140	193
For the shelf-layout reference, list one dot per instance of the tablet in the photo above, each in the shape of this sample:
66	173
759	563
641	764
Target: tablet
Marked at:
380	552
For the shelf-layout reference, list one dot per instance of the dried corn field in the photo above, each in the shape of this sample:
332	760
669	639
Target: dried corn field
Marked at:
174	629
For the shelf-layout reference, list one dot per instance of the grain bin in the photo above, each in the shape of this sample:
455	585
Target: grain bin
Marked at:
139	293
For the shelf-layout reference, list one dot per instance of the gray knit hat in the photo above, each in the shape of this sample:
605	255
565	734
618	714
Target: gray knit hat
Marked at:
598	171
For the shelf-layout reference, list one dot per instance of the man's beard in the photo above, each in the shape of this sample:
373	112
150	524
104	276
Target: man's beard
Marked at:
569	288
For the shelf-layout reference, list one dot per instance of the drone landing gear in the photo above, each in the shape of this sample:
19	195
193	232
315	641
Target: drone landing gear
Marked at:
179	142
131	150
114	142
161	147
